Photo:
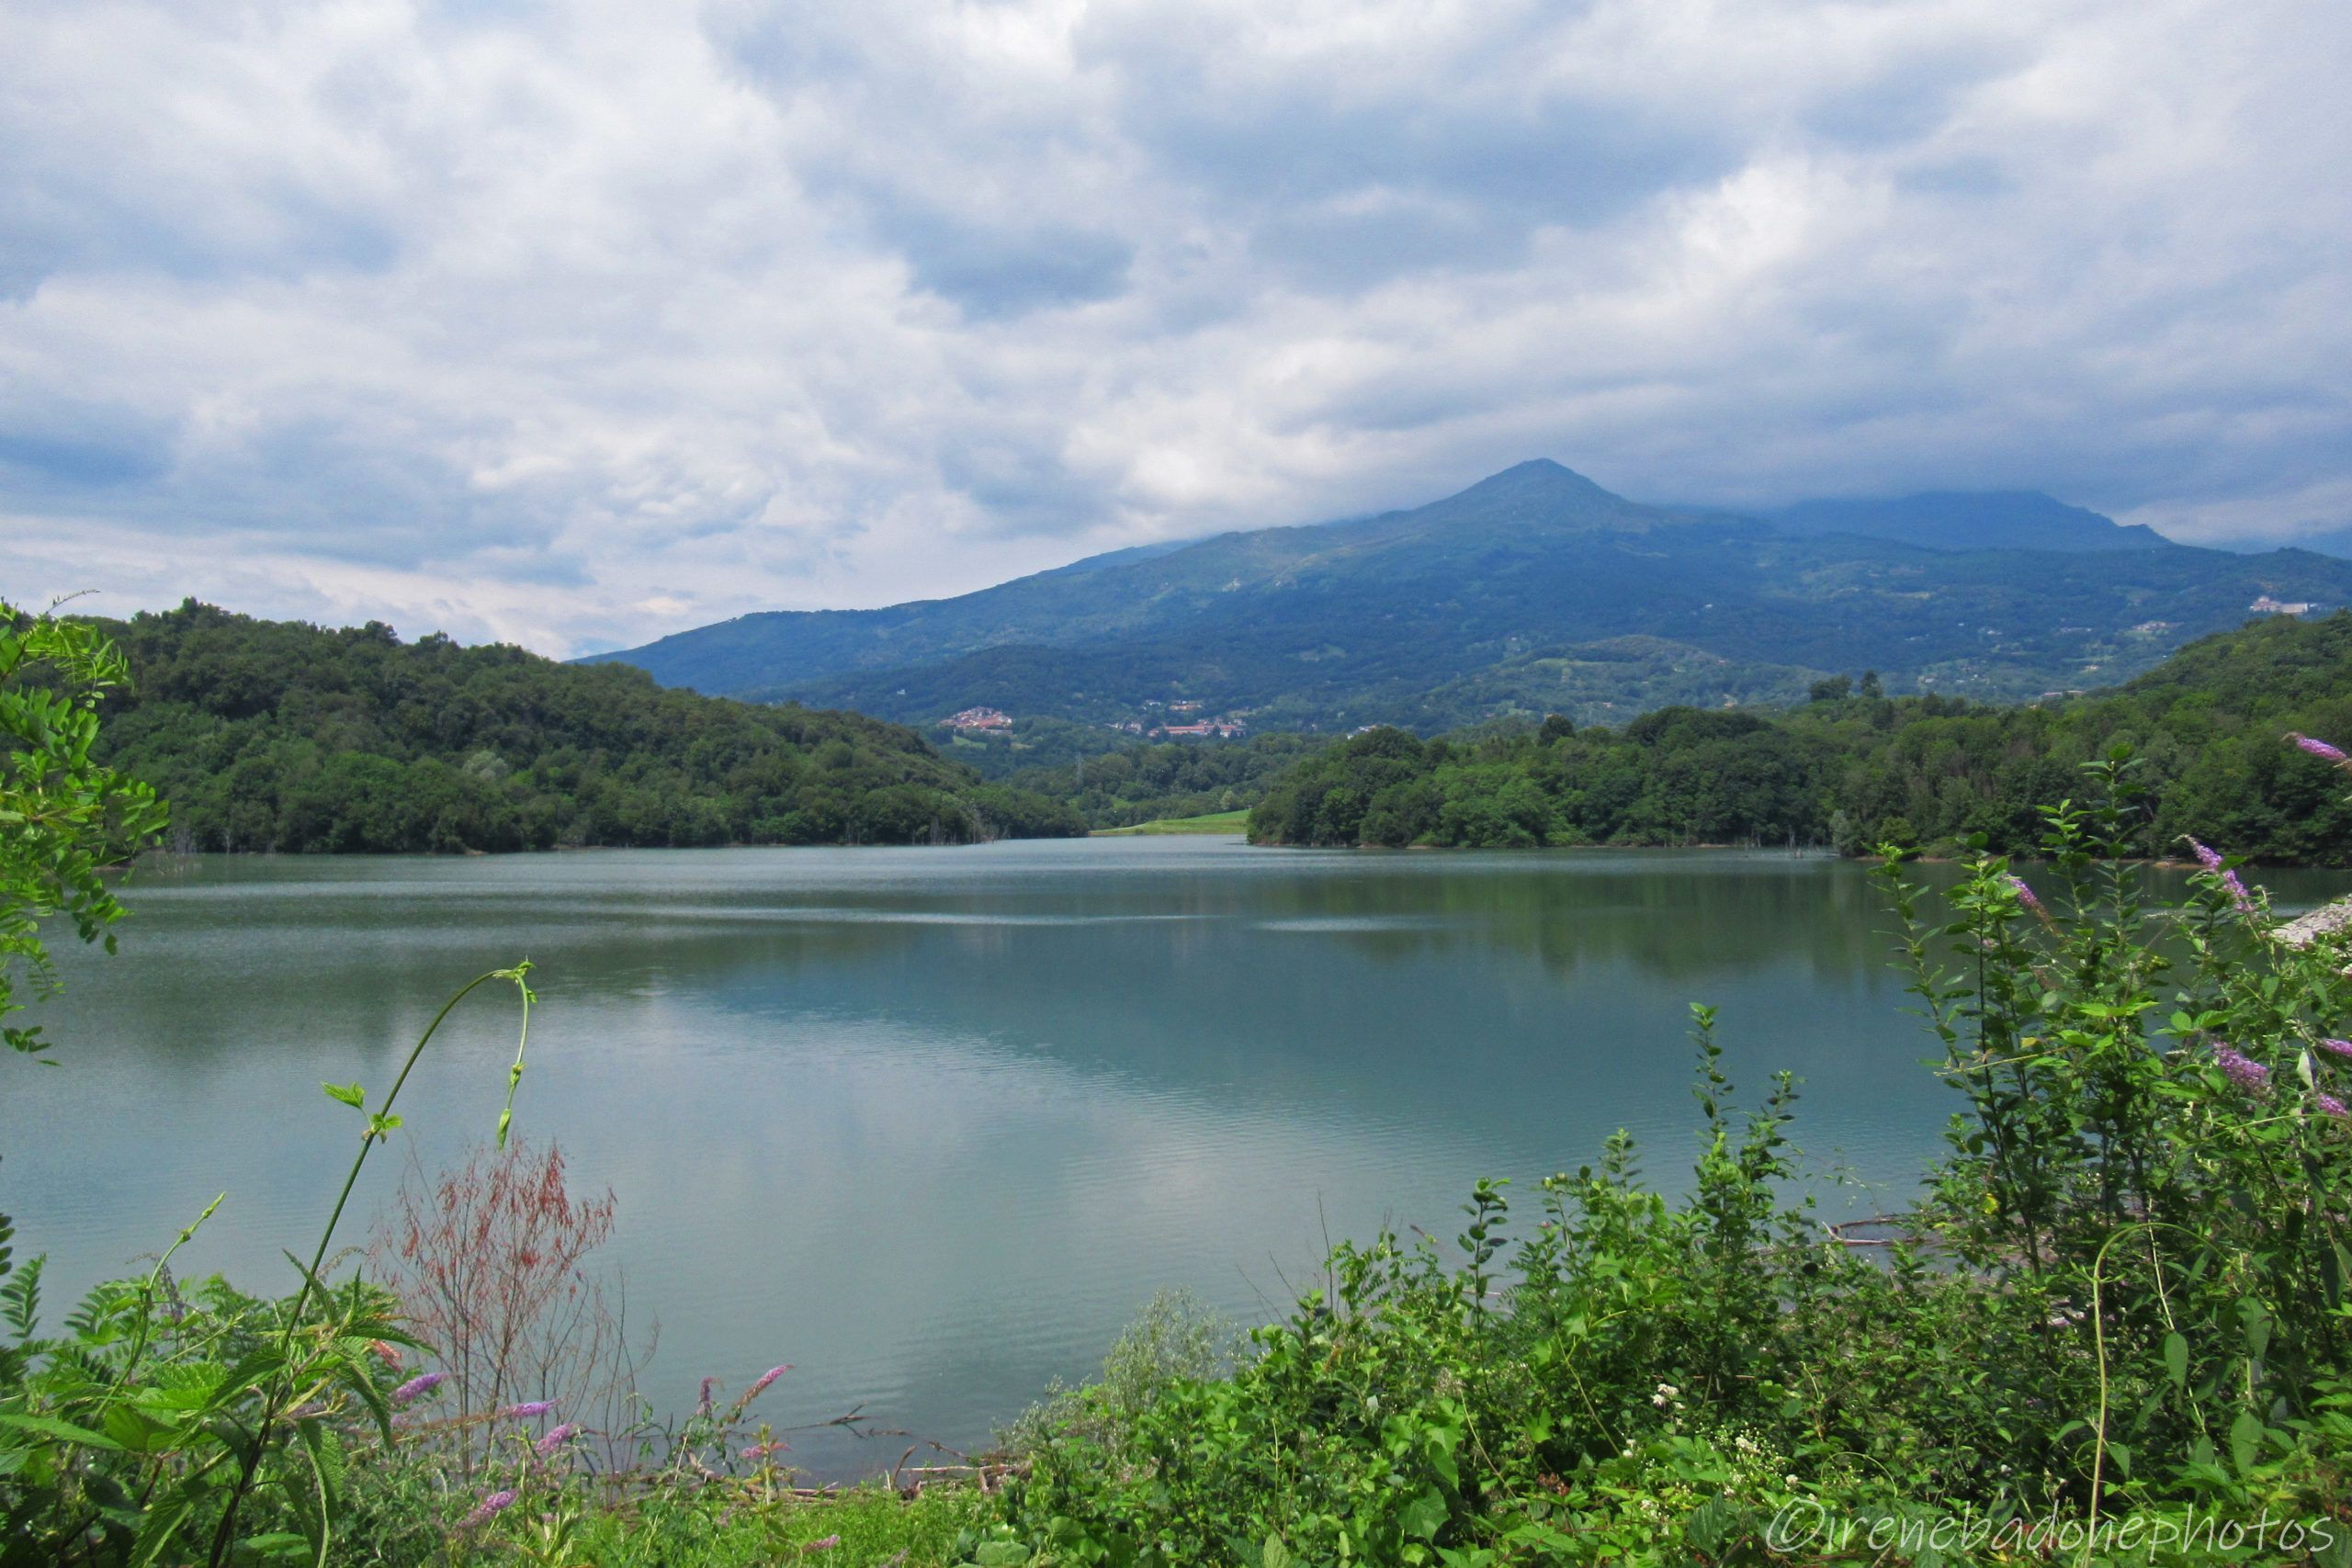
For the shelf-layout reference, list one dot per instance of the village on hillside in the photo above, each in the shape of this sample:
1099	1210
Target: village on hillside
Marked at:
981	720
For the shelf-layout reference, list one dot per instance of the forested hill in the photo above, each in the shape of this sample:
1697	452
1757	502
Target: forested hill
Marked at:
1533	591
270	735
1854	767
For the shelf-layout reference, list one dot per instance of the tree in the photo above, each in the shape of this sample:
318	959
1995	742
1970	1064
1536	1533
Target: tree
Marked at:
1836	688
63	817
270	735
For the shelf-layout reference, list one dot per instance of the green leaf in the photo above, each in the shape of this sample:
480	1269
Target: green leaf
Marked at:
2245	1441
163	1521
327	1459
2176	1360
358	1379
276	1543
1273	1555
1703	1530
51	1426
138	1432
1425	1514
351	1094
2256	1319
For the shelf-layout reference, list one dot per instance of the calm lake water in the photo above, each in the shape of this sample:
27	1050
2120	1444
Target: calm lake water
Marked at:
933	1124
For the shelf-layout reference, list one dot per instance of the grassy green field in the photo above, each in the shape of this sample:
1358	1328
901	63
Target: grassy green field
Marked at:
1216	822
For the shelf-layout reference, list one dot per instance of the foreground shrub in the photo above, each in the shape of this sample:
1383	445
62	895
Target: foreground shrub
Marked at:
2121	1300
157	1430
492	1261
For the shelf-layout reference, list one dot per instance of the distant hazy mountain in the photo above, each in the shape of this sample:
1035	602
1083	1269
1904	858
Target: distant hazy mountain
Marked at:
1972	520
1532	591
2337	542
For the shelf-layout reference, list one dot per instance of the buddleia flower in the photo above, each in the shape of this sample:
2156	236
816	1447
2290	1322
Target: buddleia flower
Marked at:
487	1509
424	1383
2238	894
2319	749
2238	1067
759	1385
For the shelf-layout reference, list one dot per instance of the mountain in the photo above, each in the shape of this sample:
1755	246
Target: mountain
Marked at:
1971	520
2335	542
1532	591
1130	592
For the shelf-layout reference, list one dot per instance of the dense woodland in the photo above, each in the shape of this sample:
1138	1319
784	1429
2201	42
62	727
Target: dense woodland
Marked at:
1114	780
1854	767
268	735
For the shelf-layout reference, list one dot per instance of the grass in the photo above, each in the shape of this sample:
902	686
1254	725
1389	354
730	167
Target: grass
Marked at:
1216	822
865	1527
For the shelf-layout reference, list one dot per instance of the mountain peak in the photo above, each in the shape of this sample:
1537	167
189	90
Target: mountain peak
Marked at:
1536	478
1538	494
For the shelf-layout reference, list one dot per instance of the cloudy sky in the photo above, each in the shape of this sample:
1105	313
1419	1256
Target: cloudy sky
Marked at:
577	322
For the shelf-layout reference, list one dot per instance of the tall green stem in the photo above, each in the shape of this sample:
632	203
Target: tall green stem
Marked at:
249	1468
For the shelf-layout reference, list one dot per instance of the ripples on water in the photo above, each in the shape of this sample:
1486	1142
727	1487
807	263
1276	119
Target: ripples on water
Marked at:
933	1124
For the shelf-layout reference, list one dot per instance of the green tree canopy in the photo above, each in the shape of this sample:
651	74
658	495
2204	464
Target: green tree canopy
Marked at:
272	735
64	815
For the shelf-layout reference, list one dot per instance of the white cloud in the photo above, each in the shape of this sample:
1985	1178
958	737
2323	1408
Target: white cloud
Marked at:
579	323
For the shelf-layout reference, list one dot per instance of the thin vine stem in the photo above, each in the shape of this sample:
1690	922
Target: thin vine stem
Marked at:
380	1125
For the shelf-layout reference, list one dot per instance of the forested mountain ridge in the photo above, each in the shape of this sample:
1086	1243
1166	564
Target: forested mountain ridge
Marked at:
268	735
1980	519
1855	767
1517	595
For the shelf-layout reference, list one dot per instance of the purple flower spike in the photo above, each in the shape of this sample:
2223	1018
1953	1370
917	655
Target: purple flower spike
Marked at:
2025	894
496	1503
2238	1067
2333	1107
2238	894
2319	749
702	1408
824	1543
760	1384
529	1410
2211	860
423	1383
556	1437
2338	1048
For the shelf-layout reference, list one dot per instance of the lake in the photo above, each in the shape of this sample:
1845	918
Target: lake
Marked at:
933	1124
